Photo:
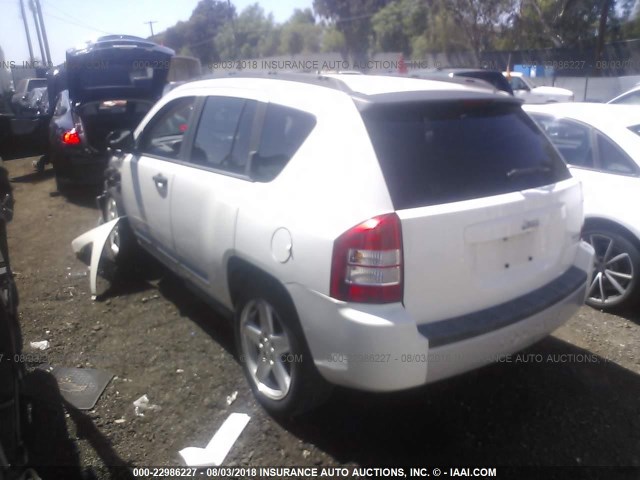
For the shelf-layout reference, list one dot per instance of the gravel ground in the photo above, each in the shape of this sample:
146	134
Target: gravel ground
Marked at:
572	399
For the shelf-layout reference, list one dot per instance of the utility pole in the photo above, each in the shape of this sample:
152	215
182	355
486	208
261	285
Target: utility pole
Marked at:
26	29
44	32
37	24
233	29
150	23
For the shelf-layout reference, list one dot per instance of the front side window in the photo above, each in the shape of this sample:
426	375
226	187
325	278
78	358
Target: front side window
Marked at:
164	135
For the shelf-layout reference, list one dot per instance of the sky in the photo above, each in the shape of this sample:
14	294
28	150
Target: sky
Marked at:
71	22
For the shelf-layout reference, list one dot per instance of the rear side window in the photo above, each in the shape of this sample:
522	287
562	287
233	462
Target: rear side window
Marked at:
434	153
613	159
283	132
223	136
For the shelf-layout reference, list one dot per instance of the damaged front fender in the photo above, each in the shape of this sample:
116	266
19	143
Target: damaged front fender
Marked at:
96	237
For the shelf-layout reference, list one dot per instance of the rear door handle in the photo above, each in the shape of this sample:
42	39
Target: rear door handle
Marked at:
161	182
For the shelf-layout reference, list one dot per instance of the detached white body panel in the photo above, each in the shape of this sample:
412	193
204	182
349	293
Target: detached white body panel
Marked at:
97	238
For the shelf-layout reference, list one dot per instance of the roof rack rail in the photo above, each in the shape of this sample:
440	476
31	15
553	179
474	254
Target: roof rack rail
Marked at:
302	77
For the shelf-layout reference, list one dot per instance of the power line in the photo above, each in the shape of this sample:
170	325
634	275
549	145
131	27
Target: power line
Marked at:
78	22
88	27
55	7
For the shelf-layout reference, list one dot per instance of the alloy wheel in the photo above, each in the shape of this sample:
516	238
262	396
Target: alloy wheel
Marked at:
265	347
613	271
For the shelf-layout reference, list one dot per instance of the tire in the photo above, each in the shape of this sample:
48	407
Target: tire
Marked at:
41	163
289	383
10	387
120	245
616	277
62	184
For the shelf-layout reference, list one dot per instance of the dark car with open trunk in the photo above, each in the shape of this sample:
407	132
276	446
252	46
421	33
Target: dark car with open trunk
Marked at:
106	85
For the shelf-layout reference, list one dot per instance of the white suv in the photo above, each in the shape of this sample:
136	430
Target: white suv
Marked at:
378	233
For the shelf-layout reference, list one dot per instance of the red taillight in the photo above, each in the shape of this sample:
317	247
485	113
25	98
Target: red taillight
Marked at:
71	137
367	262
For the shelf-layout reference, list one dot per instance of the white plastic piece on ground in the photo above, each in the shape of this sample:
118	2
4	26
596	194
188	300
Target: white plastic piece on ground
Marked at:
143	404
98	237
232	398
43	345
219	446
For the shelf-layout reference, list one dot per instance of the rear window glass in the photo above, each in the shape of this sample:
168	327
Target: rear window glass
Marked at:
452	151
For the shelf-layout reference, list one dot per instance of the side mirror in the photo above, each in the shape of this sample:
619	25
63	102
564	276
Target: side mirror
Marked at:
119	141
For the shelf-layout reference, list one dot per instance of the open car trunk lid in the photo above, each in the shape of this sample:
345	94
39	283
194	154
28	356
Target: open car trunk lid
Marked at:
99	118
117	67
489	211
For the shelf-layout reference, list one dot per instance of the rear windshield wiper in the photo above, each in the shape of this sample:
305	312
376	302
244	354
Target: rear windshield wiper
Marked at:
518	172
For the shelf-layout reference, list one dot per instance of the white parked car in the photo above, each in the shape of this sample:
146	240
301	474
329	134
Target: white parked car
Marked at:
374	232
601	144
630	97
523	88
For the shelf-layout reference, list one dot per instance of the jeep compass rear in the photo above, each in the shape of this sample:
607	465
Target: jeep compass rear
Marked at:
378	233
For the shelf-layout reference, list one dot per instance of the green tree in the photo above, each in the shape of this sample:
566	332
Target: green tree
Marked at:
251	35
333	41
352	18
478	20
397	25
207	20
175	37
630	28
566	23
300	34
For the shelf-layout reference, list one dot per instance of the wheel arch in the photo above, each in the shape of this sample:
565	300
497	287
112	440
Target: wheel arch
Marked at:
311	389
239	271
607	224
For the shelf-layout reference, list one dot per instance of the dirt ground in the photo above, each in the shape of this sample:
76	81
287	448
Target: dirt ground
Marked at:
572	399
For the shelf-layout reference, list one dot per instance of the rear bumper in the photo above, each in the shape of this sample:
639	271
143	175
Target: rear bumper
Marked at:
381	348
80	168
